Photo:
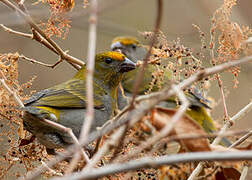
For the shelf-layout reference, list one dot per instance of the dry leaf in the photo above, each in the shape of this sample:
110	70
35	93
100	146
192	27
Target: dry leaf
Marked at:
248	147
228	174
161	116
20	131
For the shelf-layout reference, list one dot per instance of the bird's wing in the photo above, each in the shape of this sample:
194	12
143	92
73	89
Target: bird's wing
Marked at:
71	94
196	99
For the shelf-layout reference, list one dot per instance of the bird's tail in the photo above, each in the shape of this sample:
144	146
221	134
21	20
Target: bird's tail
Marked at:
200	115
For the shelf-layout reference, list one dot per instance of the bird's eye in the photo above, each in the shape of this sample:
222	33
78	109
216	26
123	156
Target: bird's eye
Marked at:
133	46
108	60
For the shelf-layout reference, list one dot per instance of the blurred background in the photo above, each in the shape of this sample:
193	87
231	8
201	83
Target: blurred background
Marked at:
126	17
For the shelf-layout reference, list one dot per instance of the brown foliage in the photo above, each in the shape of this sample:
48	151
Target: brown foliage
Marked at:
185	126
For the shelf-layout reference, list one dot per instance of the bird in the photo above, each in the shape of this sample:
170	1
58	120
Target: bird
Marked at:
65	103
133	49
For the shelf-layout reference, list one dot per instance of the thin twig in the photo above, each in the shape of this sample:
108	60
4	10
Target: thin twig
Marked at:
35	36
213	62
140	74
241	140
89	114
30	21
235	118
244	172
11	93
144	104
155	162
118	147
51	170
33	61
217	140
220	84
197	136
166	130
249	40
15	32
112	141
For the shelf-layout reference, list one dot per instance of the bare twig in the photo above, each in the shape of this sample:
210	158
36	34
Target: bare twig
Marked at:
51	170
89	114
33	61
30	21
235	118
12	93
112	141
212	135
35	35
151	162
241	140
145	103
140	74
69	132
119	146
166	130
213	62
249	40
226	116
15	32
217	140
244	172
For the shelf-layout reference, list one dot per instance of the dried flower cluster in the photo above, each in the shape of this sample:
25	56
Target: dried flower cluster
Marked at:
231	37
58	23
172	58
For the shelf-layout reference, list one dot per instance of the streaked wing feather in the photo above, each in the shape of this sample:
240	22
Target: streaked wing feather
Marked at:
69	94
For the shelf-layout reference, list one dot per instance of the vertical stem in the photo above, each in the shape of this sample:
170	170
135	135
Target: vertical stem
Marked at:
244	172
140	74
89	114
90	69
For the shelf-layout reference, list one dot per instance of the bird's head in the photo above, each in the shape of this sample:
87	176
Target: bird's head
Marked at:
129	46
113	62
109	68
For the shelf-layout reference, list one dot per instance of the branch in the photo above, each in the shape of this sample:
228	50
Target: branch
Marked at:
212	135
112	141
166	130
89	114
241	140
30	21
151	162
244	172
9	30
11	93
33	61
140	74
51	170
249	40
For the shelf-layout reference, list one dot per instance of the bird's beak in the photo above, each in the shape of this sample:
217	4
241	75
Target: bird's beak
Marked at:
127	65
115	46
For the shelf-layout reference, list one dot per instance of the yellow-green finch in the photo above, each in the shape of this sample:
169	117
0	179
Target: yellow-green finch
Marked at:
66	103
134	50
